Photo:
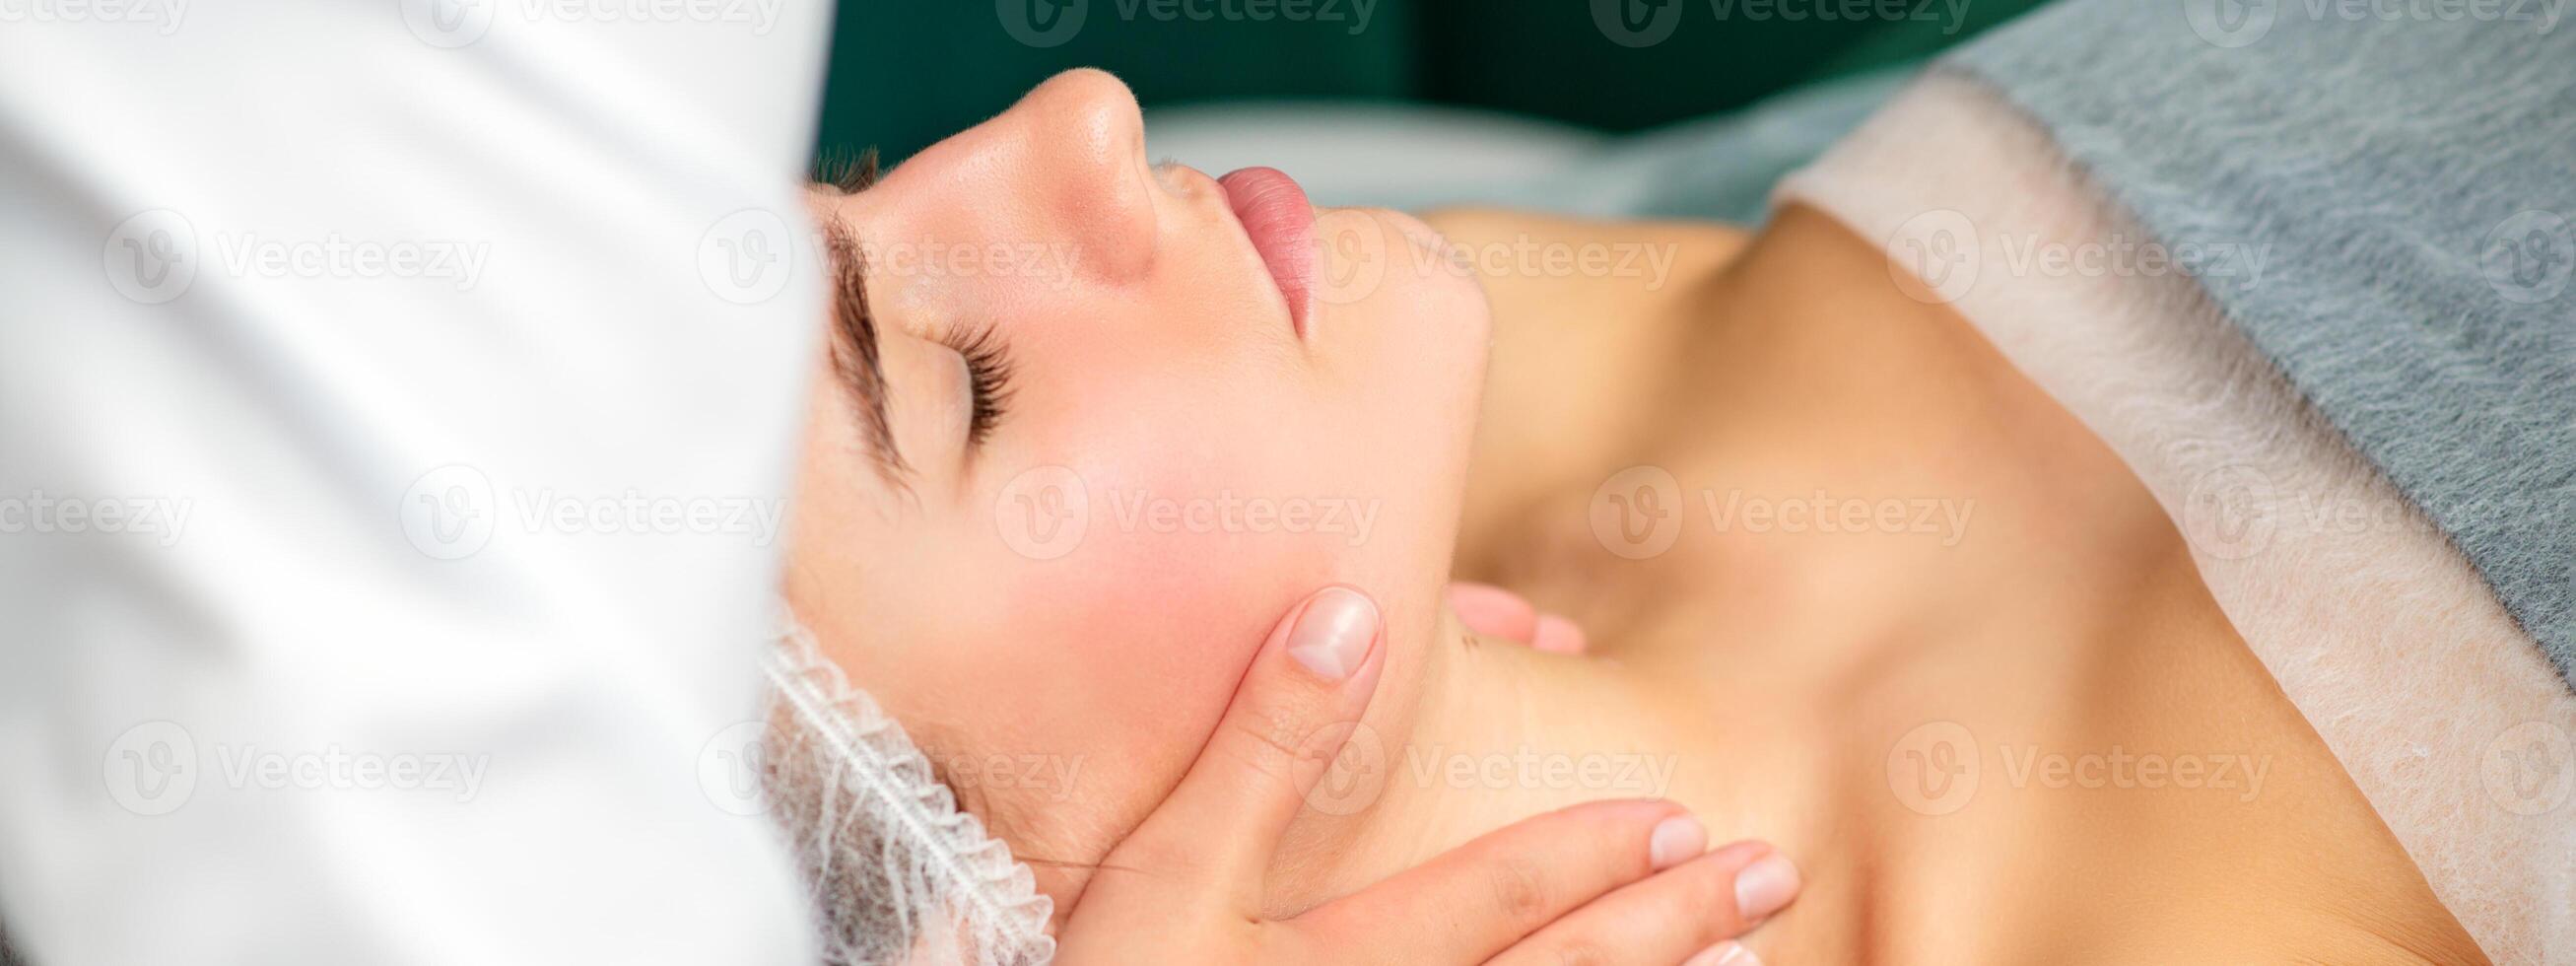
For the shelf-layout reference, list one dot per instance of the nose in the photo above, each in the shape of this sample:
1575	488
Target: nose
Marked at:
1064	166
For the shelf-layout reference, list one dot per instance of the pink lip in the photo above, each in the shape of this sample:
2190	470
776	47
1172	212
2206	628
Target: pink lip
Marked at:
1281	224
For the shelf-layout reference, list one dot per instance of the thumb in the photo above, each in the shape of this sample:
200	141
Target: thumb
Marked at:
1297	704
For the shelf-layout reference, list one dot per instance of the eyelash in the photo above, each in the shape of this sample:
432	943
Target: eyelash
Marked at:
988	364
988	375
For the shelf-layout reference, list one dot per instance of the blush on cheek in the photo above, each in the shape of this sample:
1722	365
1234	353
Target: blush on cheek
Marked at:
1147	632
1168	622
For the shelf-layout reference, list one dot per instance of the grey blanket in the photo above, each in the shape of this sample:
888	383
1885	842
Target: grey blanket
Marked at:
2409	166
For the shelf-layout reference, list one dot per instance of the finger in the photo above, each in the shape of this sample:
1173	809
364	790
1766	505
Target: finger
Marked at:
1478	899
1558	635
1690	914
1297	703
1493	611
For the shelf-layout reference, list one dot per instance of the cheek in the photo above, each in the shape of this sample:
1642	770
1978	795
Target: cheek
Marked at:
1150	622
1169	520
1151	570
1125	652
1162	575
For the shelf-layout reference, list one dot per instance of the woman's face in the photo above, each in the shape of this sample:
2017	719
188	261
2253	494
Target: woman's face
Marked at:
1056	577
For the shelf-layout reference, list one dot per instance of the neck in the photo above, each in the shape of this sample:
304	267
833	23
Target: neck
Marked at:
1500	733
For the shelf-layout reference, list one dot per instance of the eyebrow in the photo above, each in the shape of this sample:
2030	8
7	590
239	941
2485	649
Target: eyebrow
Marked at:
855	359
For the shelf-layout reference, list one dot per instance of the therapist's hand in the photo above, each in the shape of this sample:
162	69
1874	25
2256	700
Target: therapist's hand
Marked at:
1618	881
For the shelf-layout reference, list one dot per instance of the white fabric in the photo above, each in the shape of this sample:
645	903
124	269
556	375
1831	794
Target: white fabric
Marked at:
274	721
2440	708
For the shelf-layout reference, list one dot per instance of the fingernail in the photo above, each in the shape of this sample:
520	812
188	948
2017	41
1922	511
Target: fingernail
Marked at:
1333	632
1728	953
1765	886
1676	840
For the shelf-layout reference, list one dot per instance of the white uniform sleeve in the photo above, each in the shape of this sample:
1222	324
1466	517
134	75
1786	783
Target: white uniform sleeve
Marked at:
398	402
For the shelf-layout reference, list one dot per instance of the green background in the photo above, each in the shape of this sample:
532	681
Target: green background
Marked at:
905	73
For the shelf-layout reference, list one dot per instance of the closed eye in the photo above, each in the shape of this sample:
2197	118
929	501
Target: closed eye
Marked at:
988	373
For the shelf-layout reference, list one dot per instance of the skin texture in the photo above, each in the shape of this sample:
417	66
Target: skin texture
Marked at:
1625	881
1163	368
1781	679
1787	672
